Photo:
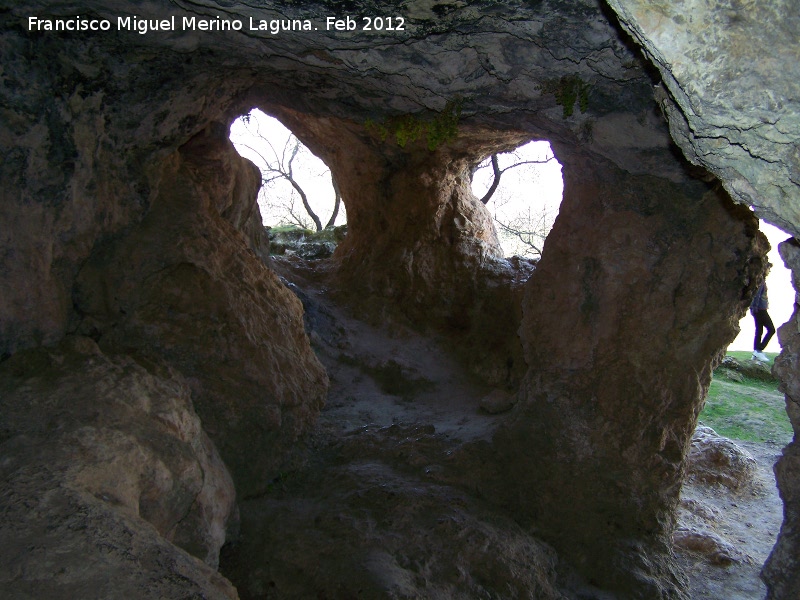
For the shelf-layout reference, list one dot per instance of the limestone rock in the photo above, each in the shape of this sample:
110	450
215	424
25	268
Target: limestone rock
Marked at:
781	572
59	543
126	218
182	288
714	459
622	355
105	467
731	92
497	401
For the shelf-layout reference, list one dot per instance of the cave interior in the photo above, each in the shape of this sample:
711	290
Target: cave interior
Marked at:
169	392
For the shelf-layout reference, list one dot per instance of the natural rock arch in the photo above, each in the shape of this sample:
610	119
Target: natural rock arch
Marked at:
111	142
614	339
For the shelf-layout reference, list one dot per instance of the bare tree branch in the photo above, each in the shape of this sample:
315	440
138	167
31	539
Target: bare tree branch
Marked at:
498	172
495	181
529	229
281	166
336	202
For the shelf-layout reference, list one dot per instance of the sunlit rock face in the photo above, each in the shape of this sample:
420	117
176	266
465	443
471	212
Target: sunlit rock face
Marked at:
728	90
129	221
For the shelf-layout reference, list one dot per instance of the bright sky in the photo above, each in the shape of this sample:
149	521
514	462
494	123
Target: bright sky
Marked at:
310	171
527	193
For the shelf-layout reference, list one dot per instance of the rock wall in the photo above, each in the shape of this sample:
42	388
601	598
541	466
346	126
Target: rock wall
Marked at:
621	333
782	571
731	96
105	463
183	287
127	220
130	222
87	123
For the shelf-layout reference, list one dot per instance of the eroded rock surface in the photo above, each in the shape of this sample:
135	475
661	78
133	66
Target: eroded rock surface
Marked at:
105	463
127	219
406	535
731	106
615	279
183	288
782	571
714	459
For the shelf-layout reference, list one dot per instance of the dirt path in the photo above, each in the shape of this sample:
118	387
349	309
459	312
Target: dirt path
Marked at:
395	388
387	374
740	530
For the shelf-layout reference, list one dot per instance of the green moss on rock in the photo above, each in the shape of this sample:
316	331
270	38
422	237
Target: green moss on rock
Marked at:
568	90
409	128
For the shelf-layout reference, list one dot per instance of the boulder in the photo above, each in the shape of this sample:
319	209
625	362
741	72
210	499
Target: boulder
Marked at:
183	288
108	480
716	460
749	368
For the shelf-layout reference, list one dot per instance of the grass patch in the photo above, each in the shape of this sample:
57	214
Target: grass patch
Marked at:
290	228
744	355
745	408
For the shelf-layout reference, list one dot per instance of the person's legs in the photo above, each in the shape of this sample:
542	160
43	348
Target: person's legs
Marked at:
759	331
763	320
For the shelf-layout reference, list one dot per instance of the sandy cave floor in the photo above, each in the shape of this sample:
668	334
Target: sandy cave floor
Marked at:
738	530
741	528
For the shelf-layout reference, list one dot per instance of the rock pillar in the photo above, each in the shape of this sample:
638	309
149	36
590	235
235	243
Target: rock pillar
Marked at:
419	244
183	287
416	232
640	287
782	570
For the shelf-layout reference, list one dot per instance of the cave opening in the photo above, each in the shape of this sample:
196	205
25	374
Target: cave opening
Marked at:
184	381
297	187
408	258
522	189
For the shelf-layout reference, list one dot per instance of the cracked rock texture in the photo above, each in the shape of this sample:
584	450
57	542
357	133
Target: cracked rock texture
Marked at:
732	103
129	221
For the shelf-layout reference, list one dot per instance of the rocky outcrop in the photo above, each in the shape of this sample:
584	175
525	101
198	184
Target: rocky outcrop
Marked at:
181	287
736	113
714	459
637	327
731	104
782	571
104	463
420	246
